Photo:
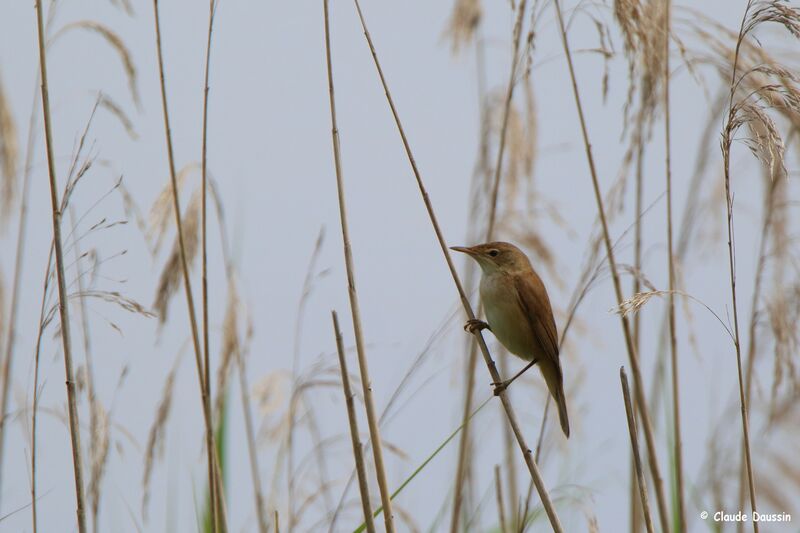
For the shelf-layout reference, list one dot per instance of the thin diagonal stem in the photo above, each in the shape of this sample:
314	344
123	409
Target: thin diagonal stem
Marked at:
358	456
372	421
632	355
726	148
63	302
198	350
509	411
637	461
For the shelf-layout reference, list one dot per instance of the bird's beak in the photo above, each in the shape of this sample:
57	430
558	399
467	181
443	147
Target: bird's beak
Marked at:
464	249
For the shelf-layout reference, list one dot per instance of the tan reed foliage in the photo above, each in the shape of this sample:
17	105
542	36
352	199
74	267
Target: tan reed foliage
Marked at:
116	42
170	279
8	157
158	220
112	107
464	21
766	144
155	438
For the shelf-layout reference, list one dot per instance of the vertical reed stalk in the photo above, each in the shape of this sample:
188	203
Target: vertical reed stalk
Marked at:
676	409
636	510
498	486
36	358
215	488
632	355
22	228
727	140
372	420
482	173
205	397
509	411
363	484
63	302
94	495
637	461
751	342
464	437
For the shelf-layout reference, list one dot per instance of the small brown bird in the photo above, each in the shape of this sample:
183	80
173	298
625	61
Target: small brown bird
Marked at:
519	314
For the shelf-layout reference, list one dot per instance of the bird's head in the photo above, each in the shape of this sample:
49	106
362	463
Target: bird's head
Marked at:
497	256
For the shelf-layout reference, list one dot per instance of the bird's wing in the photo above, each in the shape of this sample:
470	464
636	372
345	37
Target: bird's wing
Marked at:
536	306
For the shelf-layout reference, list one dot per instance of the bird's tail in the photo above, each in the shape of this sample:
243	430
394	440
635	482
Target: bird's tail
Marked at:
555	383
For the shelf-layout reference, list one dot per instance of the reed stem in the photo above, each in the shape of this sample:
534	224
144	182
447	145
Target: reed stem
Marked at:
372	420
637	461
63	301
358	456
198	350
632	355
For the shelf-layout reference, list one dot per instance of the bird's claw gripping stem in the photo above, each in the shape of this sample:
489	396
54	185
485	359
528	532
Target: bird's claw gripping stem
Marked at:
474	325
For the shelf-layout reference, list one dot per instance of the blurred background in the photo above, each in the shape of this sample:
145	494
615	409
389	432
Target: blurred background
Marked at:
276	266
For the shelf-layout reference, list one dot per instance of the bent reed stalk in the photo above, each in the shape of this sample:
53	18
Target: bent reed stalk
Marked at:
508	409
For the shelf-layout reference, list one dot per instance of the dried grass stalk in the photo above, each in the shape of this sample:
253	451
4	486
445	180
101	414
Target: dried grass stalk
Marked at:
637	461
766	144
372	421
170	278
66	342
358	456
214	480
516	157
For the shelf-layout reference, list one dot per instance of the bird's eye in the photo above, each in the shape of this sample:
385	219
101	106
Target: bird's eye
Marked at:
494	253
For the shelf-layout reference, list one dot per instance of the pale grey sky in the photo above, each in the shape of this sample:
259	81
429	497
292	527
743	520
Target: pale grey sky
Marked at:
270	151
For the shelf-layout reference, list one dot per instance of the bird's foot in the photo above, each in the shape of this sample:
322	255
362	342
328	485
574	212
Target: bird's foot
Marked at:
474	325
501	386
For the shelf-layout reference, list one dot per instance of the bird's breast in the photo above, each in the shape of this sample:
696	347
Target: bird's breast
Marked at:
505	315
